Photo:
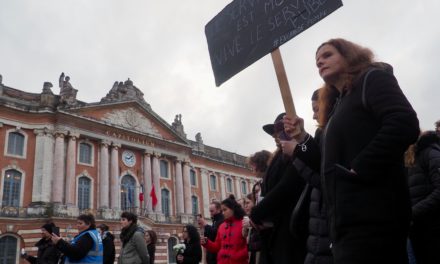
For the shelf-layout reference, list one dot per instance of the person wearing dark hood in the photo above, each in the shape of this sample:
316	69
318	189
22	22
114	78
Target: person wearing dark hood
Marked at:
108	244
280	190
368	125
210	231
47	252
86	247
134	248
423	162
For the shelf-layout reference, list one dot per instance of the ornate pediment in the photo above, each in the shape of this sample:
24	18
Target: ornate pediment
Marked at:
132	119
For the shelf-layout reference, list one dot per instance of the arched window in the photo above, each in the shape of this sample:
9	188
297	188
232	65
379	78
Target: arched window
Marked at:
85	153
229	185
8	250
11	188
165	202
128	192
172	241
243	187
16	144
213	182
192	177
164	169
84	191
195	205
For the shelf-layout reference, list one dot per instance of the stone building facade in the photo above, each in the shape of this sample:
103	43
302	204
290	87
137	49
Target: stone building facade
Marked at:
60	157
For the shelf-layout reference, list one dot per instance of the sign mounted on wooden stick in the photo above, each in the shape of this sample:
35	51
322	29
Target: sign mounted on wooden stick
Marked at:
246	30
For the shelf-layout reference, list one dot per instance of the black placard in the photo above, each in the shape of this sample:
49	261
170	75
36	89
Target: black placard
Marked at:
246	30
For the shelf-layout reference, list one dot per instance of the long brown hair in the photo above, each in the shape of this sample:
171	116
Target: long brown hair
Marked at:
358	60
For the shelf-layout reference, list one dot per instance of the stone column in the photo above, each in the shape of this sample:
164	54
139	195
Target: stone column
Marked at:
205	192
147	181
70	169
187	188
43	166
156	182
179	188
104	176
223	185
237	187
114	176
58	169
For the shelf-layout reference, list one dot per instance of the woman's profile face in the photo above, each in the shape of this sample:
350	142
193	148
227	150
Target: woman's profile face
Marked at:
147	237
227	212
330	63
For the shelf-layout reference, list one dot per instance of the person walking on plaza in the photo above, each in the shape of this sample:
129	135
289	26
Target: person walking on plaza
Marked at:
229	244
193	251
423	161
368	125
151	240
47	252
134	248
86	247
108	244
210	231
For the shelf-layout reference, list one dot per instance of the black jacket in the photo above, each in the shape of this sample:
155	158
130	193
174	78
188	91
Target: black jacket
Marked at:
372	204
192	253
210	231
47	253
281	189
109	248
318	240
424	183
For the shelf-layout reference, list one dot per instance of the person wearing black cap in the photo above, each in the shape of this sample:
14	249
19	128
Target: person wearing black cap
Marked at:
281	189
47	252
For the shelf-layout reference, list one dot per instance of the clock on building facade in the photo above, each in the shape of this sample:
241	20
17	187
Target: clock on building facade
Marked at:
128	158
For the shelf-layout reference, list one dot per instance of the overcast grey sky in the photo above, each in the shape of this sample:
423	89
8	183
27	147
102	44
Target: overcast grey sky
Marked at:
161	46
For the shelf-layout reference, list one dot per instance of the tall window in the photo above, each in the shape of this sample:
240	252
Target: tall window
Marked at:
11	188
128	192
213	182
15	144
192	177
84	191
164	169
165	202
195	205
8	250
229	185
243	187
85	153
172	241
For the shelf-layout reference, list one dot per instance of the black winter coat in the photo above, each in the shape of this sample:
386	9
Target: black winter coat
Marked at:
47	253
281	189
109	248
210	231
369	211
192	253
424	183
318	240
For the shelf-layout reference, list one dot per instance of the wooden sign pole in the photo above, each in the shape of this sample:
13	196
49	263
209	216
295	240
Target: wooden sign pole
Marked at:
283	83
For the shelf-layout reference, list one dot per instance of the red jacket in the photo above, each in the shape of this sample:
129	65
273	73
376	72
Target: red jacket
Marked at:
230	245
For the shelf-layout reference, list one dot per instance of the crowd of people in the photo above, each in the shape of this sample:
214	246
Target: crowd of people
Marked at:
365	188
95	244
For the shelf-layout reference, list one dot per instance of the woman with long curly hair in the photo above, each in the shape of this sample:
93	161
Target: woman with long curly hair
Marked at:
368	124
193	251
